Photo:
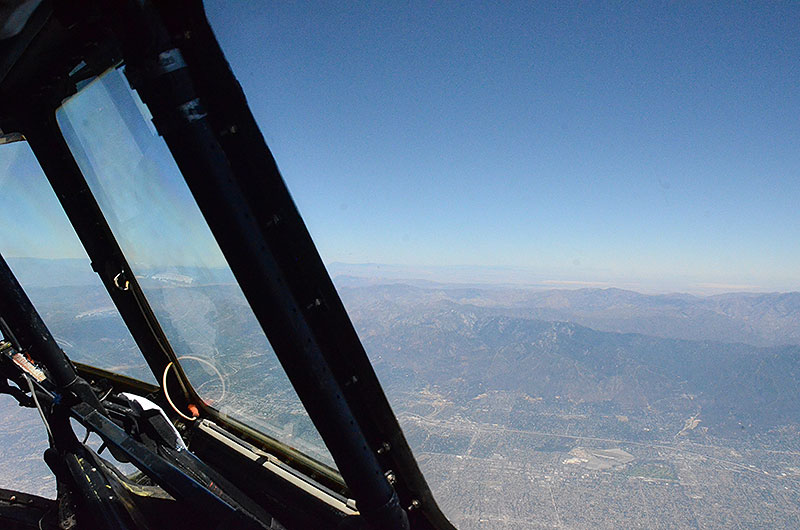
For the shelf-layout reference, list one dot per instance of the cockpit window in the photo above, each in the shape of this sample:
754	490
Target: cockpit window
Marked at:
47	258
566	234
178	263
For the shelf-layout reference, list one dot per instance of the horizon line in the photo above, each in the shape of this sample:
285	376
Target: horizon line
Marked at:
543	279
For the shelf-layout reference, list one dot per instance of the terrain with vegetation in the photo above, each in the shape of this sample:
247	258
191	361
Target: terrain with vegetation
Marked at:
525	408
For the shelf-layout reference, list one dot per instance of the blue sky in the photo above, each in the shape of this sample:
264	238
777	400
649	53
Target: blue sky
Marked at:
602	140
32	223
648	146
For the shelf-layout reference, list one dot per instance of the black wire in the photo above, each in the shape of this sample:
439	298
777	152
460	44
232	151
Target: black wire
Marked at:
45	514
106	394
39	407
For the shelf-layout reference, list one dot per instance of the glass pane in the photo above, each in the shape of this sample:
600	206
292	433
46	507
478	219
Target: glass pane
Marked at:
42	249
514	199
177	262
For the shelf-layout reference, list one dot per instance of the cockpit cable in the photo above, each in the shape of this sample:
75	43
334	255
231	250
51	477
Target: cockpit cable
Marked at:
195	412
39	407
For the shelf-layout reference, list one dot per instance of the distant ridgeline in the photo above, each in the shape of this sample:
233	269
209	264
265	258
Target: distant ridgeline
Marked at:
472	346
664	365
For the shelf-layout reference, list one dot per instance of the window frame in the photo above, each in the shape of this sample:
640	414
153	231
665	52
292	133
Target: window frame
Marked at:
41	72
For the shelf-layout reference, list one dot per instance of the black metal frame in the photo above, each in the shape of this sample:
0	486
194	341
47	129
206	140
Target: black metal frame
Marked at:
238	187
34	83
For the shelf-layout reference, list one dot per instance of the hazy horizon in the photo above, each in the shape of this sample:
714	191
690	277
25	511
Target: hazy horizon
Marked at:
493	277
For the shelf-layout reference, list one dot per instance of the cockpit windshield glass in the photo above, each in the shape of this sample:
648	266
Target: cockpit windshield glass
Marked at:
47	258
178	263
567	235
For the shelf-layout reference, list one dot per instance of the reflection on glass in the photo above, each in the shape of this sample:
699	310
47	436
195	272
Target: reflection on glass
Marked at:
178	263
47	258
